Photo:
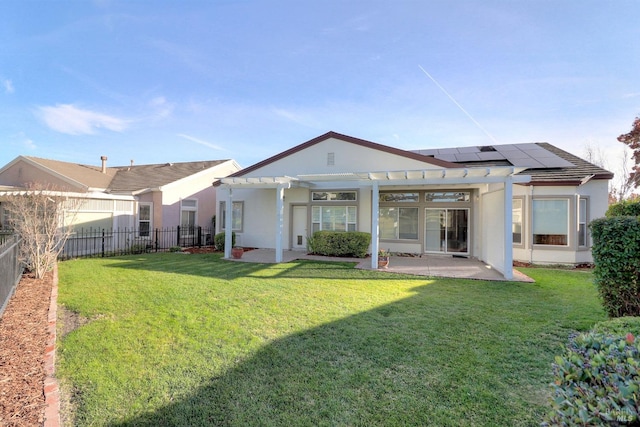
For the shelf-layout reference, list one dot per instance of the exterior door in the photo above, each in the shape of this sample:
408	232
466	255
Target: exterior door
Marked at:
447	231
299	228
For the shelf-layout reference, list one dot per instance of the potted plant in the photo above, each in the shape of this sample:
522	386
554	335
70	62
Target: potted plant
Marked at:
236	252
383	258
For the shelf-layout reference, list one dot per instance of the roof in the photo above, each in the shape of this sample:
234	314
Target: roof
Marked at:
545	163
89	176
124	178
133	178
352	140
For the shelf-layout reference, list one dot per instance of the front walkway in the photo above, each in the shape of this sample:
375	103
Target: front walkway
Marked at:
431	265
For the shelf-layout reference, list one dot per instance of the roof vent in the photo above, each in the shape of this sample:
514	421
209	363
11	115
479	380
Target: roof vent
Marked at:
486	148
104	163
331	159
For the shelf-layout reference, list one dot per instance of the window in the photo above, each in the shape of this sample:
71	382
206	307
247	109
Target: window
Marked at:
237	212
188	211
333	218
582	222
144	219
398	223
333	196
447	196
516	226
399	197
551	222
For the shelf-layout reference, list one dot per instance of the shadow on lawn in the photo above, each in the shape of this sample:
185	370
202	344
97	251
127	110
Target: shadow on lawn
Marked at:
386	366
212	265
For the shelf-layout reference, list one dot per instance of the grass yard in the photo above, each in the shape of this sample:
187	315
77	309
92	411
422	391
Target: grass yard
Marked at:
194	340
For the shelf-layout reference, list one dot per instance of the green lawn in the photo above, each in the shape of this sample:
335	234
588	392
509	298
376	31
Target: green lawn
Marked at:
194	340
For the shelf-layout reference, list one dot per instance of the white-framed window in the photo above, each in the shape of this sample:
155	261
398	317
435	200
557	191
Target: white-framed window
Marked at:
551	222
145	211
333	218
188	216
516	227
399	197
399	223
237	213
582	223
334	196
447	196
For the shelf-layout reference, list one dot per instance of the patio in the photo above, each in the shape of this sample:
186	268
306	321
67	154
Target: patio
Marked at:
425	265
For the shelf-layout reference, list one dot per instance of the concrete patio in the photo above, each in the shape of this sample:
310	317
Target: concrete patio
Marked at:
425	265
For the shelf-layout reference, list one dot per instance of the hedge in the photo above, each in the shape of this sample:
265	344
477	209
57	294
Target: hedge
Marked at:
624	208
339	243
219	239
616	255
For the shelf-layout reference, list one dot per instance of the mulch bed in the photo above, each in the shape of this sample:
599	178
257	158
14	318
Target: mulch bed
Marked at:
23	338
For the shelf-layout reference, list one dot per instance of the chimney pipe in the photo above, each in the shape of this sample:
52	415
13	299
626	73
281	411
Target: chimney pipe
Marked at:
104	163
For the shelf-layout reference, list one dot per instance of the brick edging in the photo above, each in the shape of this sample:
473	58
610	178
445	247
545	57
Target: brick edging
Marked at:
51	388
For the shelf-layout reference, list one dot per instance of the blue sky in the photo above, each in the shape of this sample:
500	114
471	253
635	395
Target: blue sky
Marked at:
159	81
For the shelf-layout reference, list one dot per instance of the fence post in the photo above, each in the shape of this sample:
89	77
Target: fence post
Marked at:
199	236
178	234
103	243
156	239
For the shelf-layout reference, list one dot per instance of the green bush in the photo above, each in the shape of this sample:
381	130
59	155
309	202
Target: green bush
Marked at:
616	254
339	243
624	208
218	240
619	326
596	382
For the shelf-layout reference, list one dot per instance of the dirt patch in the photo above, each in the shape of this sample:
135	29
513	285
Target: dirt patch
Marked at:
69	321
23	339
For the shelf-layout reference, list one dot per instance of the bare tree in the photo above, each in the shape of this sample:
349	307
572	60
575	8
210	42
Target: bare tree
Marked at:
632	140
43	218
624	181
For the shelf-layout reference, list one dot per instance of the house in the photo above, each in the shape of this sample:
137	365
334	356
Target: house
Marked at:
501	203
140	198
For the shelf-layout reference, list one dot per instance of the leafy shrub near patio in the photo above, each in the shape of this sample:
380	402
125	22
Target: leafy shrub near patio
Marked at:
619	326
218	240
596	382
616	254
339	243
624	208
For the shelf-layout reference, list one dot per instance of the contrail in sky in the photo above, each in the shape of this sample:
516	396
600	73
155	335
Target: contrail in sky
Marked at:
458	105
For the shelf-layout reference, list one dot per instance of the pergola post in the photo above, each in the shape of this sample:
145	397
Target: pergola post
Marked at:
279	221
228	224
375	237
508	228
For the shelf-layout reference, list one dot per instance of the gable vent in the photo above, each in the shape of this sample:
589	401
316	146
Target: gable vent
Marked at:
331	159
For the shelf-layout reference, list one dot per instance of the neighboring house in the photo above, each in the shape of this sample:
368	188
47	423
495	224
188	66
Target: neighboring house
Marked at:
524	202
137	197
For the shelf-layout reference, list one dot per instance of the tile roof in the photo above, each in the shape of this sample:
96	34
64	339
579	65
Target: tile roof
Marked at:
545	163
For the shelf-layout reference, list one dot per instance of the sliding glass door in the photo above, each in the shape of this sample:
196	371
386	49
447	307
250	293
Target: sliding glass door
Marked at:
447	230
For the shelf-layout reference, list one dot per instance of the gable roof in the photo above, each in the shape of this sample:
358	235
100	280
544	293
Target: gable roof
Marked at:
545	163
349	139
134	178
120	178
85	175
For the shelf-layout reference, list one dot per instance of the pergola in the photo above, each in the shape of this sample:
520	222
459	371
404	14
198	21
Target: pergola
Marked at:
507	175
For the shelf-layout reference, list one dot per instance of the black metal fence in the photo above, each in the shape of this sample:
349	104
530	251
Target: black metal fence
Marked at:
113	242
10	268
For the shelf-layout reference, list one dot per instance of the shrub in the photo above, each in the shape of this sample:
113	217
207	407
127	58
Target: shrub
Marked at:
175	249
619	326
339	243
596	382
616	254
218	240
624	208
